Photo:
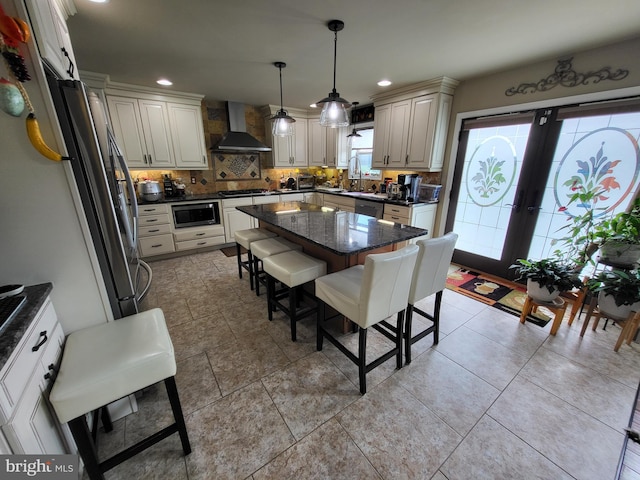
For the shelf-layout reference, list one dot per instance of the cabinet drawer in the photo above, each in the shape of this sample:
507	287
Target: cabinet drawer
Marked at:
397	210
397	218
156	245
266	199
236	202
154	230
19	370
197	233
154	219
153	209
199	243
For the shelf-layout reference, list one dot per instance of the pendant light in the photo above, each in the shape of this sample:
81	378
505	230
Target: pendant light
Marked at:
334	108
282	122
354	133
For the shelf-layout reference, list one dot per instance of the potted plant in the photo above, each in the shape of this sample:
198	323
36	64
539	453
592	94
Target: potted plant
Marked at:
619	236
618	292
546	278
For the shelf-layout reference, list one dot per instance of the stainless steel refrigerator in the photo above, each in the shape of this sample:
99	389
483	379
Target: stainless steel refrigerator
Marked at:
106	190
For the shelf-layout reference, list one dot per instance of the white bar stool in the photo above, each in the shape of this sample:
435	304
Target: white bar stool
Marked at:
293	269
367	295
429	277
266	248
104	363
244	238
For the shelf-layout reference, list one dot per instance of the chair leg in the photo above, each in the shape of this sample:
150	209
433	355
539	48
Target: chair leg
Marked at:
320	318
239	259
407	334
436	318
399	326
293	309
86	447
174	399
250	265
256	274
271	293
106	419
362	360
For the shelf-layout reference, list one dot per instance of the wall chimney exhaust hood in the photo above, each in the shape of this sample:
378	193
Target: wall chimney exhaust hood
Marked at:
237	139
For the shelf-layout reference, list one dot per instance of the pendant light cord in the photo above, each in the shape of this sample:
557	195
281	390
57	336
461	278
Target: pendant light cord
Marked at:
335	54
281	104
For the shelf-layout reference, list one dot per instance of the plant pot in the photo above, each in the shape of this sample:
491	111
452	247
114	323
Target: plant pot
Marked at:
608	308
541	294
620	253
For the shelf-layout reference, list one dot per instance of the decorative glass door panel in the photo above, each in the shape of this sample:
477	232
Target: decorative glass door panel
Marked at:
596	154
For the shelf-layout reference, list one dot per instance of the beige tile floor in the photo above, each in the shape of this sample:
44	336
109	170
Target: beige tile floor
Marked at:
494	400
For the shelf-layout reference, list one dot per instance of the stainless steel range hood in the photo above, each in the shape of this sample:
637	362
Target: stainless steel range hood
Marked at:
237	139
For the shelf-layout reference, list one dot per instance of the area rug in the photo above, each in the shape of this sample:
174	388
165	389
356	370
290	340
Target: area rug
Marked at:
501	294
231	251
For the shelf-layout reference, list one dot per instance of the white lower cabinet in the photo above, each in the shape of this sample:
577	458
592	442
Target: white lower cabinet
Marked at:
154	233
235	220
421	216
347	204
198	237
29	425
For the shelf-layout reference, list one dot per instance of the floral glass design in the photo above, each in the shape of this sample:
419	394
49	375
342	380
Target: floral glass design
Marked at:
491	170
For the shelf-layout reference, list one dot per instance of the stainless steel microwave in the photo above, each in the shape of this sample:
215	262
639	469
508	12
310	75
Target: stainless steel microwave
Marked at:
195	214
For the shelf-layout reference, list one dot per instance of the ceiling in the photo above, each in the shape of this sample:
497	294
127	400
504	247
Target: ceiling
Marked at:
225	49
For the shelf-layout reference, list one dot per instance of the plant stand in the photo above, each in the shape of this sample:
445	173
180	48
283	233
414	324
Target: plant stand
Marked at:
557	306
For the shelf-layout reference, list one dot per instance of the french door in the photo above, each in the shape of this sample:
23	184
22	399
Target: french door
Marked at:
515	173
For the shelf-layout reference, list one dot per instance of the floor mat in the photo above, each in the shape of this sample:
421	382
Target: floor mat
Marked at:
501	294
231	251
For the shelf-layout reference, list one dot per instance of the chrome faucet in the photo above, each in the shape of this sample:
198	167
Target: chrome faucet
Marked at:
357	170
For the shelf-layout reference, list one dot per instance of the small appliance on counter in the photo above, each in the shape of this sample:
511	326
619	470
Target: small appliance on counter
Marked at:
149	190
169	190
429	193
306	182
393	191
409	187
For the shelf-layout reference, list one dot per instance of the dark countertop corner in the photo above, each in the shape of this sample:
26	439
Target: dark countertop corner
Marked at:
13	332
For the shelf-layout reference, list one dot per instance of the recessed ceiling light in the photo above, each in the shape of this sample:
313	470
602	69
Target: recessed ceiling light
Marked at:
313	105
99	1
164	81
384	83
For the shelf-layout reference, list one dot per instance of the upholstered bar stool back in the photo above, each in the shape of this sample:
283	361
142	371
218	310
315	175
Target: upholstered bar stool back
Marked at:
367	295
244	238
293	269
429	277
266	248
104	363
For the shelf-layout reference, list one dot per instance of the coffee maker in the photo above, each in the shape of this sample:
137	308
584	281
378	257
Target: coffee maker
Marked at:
409	187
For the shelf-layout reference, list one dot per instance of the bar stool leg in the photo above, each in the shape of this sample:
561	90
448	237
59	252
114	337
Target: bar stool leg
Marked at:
362	360
174	399
271	292
407	334
239	259
86	447
293	302
319	335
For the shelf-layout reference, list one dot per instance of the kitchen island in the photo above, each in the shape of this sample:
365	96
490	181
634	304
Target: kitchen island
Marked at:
341	238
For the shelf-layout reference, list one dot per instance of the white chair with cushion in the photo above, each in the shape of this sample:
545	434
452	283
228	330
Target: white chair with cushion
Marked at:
244	238
293	269
429	277
266	248
107	362
367	295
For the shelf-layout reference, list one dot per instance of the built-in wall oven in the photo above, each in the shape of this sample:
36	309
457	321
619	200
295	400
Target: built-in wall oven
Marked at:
196	214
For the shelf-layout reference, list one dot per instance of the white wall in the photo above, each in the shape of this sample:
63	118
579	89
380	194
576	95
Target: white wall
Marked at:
41	234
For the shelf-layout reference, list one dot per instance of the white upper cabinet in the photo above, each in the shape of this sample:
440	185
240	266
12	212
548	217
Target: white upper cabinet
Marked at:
289	151
189	148
411	126
327	146
391	127
157	132
49	23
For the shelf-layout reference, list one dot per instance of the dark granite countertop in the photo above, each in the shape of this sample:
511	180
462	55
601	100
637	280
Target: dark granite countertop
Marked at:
14	331
343	233
380	198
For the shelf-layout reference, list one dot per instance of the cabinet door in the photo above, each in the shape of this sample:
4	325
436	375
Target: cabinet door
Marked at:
399	133
299	150
423	117
155	125
331	146
381	131
235	220
127	128
187	133
317	143
342	146
52	35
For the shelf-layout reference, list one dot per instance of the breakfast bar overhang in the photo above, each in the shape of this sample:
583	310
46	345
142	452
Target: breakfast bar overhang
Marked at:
341	238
